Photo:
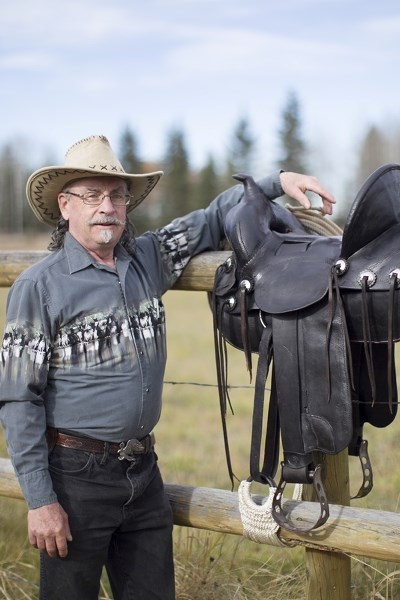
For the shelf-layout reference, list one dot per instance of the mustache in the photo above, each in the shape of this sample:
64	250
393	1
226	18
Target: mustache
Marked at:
106	221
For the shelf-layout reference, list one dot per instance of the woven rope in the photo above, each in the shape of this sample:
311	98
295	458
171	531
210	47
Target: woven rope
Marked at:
256	515
297	491
315	221
258	523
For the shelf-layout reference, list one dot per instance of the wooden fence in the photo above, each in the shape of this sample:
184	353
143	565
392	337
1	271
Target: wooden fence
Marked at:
349	531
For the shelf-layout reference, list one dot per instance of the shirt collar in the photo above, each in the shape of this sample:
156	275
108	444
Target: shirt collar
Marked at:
79	258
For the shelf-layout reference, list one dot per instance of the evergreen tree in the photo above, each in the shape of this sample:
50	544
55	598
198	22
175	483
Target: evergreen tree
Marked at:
293	147
375	149
128	152
15	213
144	216
374	152
176	199
240	153
208	184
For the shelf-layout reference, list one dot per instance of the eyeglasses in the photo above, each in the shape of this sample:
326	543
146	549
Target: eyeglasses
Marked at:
97	198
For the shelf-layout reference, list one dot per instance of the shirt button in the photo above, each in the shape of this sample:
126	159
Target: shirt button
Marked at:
147	390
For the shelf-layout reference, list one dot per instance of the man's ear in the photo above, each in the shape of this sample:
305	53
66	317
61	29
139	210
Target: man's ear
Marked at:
64	205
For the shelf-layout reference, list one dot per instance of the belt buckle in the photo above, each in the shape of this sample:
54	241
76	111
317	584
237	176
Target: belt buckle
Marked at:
128	450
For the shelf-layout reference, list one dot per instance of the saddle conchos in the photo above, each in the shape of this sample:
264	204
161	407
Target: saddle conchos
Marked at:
322	313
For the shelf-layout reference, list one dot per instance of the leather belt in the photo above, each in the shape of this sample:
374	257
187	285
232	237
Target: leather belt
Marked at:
124	450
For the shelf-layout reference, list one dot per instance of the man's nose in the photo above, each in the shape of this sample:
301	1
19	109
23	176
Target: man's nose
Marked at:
106	205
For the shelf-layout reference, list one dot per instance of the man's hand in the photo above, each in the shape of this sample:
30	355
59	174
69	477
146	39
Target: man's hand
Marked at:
295	185
48	529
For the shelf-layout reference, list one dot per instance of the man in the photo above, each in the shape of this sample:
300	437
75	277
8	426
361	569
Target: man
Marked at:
82	383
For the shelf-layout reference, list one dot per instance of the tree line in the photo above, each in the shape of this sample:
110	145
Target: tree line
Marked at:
184	188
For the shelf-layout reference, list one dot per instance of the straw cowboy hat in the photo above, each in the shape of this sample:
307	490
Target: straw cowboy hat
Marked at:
90	157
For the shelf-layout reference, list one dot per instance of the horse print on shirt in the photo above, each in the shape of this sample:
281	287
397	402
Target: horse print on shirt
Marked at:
86	342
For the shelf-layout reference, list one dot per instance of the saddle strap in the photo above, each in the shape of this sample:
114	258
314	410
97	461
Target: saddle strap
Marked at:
221	359
367	337
271	451
287	365
334	284
390	365
244	325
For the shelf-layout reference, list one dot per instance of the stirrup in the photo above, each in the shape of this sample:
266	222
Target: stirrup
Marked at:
281	517
366	467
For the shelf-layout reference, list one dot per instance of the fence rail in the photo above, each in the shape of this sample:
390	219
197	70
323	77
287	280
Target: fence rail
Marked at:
361	532
198	275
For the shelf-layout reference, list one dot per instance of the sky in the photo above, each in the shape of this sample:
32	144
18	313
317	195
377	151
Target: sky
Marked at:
72	68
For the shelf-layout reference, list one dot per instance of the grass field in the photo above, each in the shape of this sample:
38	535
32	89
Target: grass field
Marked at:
190	448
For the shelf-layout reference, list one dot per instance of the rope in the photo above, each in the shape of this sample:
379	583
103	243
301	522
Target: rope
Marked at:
256	515
315	221
258	523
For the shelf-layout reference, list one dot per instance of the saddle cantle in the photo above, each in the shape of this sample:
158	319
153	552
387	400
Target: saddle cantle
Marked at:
372	250
304	303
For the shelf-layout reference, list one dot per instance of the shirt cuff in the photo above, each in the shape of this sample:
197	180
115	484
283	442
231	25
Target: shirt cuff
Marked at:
37	488
271	185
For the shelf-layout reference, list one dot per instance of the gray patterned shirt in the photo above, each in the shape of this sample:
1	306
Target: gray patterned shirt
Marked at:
84	345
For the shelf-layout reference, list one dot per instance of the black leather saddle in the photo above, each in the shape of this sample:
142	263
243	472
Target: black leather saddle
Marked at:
322	314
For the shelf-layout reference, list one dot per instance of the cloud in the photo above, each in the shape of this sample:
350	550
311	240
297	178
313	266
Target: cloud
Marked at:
383	26
32	61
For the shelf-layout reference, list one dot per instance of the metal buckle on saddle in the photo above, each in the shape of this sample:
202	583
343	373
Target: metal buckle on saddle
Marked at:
133	447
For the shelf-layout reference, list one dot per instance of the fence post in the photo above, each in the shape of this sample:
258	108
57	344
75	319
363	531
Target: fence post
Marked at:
329	573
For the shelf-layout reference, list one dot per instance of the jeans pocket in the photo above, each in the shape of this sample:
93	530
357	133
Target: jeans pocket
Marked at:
69	461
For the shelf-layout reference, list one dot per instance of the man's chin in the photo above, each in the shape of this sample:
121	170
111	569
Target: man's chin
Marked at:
107	236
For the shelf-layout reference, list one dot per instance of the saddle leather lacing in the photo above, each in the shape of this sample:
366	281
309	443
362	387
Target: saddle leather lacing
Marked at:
367	280
394	281
244	288
221	361
367	336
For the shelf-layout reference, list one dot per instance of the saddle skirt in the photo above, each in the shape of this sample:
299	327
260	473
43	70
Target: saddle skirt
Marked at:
322	314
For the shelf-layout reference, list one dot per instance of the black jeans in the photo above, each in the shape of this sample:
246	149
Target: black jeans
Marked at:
120	518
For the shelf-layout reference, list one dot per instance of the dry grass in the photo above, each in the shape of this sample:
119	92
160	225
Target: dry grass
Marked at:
16	579
211	566
215	567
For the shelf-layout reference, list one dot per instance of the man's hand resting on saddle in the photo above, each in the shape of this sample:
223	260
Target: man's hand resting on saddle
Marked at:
295	185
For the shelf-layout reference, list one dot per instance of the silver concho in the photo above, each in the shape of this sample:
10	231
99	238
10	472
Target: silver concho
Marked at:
342	266
228	264
231	302
369	275
246	285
